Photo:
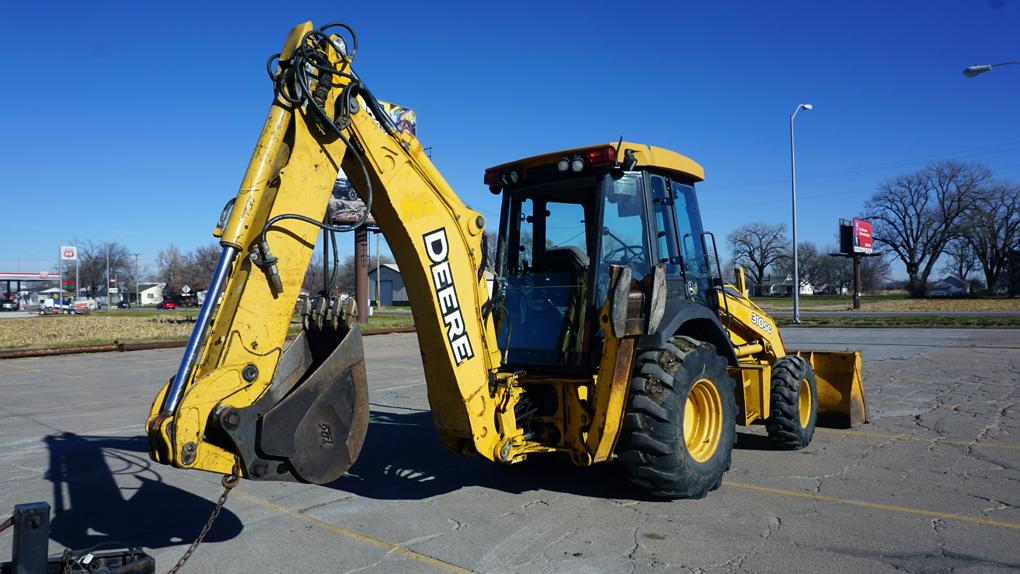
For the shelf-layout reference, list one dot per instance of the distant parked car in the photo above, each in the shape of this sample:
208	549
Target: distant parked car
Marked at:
166	305
9	304
68	308
123	305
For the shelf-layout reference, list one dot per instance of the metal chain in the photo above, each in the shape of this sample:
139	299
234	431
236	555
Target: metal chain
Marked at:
229	481
68	560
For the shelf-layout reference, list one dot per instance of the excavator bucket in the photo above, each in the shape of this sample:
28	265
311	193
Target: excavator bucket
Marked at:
310	424
840	392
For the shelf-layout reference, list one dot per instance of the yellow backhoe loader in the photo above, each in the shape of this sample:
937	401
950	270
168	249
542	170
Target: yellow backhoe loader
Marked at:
608	333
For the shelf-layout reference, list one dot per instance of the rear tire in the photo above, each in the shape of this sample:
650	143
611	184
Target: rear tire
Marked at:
794	408
679	427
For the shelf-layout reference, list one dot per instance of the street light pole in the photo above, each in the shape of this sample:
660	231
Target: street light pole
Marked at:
972	71
793	189
378	279
60	280
138	300
108	298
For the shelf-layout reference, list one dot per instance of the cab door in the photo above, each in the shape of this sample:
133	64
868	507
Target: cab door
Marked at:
678	237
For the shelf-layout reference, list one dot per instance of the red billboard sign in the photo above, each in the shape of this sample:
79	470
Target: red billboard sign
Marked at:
862	236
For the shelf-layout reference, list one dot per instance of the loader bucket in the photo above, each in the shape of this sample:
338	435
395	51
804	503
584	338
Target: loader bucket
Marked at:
840	392
310	424
319	427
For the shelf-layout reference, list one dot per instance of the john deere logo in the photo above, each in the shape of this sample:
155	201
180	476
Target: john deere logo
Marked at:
438	250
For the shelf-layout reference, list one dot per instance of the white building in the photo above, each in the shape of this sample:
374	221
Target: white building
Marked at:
785	287
150	293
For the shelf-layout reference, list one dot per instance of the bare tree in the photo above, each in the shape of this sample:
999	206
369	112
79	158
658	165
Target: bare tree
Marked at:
346	273
993	228
92	265
834	274
314	281
960	259
758	246
170	269
199	266
341	275
729	271
1013	271
811	265
491	244
875	272
193	269
917	214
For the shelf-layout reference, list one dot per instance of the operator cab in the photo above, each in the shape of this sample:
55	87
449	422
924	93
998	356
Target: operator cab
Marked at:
566	218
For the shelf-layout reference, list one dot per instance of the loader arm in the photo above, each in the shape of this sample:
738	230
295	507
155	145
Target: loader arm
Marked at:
758	344
241	395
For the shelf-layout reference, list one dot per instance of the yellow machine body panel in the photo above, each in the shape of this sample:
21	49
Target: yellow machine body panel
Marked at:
646	155
758	344
437	243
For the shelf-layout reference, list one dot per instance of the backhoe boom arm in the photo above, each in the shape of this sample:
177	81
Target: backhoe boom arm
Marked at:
235	371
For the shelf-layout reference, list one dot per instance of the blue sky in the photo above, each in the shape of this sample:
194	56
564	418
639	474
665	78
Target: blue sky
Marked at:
134	122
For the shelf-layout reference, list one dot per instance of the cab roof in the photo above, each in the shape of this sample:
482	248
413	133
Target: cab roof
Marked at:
647	157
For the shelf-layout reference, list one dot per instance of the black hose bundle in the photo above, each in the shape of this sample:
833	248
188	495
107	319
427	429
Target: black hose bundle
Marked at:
292	80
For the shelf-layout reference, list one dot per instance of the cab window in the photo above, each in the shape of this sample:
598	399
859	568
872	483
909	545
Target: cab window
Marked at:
690	229
665	226
547	285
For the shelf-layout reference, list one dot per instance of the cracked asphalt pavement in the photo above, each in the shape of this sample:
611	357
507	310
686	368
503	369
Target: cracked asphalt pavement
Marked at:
931	485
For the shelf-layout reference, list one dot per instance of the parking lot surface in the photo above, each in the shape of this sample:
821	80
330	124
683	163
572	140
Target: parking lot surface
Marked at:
931	485
17	314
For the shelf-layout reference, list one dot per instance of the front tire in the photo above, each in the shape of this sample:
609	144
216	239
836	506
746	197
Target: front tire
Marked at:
794	408
679	427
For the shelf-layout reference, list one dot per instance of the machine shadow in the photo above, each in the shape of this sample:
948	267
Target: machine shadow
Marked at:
404	459
750	441
114	495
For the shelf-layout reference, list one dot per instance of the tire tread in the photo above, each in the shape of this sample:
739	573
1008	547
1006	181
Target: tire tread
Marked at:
651	445
783	424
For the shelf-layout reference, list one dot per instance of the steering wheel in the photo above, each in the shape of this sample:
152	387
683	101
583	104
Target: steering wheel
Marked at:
524	275
627	254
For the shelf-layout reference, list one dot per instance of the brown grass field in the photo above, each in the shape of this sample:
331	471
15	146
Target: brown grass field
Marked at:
68	330
147	325
99	328
888	303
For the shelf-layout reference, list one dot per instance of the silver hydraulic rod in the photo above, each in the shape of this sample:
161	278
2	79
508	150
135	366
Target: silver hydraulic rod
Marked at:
190	358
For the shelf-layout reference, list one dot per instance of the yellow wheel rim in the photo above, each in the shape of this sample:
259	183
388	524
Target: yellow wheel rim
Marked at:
703	419
805	403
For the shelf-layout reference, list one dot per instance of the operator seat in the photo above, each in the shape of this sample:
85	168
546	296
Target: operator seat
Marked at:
571	263
547	307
